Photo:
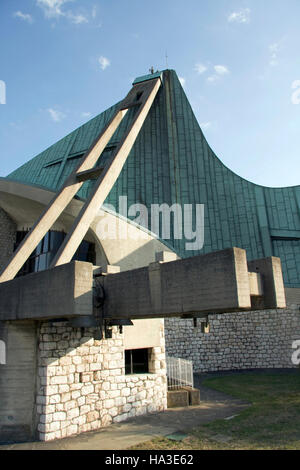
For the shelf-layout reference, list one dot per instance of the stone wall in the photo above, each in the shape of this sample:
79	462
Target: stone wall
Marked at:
82	384
7	238
247	340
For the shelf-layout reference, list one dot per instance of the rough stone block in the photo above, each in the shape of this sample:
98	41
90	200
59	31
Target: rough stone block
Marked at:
178	398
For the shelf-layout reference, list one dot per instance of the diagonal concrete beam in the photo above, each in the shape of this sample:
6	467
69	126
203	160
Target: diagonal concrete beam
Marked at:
143	94
60	201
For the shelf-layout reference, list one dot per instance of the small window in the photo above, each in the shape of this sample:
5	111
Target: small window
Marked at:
139	95
136	361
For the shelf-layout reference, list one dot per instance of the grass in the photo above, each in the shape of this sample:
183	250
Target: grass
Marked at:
272	422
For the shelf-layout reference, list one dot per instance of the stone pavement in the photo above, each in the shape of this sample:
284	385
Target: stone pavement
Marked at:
214	405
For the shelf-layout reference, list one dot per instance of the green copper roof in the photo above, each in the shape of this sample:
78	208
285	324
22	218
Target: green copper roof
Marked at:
171	162
151	76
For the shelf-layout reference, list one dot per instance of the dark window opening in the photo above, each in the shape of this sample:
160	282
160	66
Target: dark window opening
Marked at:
85	252
136	361
139	95
43	255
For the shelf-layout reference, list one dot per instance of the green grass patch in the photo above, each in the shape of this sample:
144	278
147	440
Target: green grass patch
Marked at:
271	422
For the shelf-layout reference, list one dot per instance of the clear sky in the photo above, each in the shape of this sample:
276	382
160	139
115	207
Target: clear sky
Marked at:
65	61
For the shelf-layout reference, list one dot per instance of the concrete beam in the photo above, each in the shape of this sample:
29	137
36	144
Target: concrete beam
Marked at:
60	201
18	381
62	292
214	283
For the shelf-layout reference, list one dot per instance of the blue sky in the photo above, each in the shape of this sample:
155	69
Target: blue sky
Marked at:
65	61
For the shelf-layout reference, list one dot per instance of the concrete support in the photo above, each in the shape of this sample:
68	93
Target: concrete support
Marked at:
213	283
60	201
62	292
109	175
17	381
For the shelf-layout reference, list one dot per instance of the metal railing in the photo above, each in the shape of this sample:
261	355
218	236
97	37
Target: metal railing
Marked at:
179	373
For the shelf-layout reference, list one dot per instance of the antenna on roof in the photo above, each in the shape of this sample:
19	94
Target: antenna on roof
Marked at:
151	70
167	60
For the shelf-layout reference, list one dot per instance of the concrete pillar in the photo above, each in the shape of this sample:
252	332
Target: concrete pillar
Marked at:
17	381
